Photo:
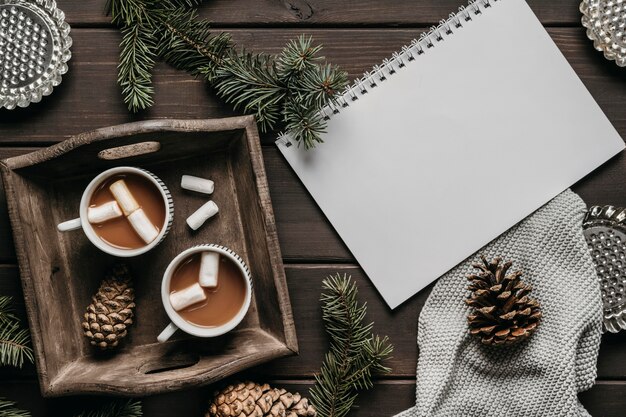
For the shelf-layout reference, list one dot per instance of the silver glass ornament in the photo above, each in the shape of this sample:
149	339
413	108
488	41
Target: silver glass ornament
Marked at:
34	50
605	231
605	21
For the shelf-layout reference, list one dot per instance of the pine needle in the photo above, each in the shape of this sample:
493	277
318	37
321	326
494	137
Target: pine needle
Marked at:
305	123
187	43
137	54
289	88
14	340
187	3
249	81
355	355
298	56
8	409
130	12
6	310
129	408
14	345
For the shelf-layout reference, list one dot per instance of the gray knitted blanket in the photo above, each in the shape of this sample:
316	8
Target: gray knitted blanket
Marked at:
458	376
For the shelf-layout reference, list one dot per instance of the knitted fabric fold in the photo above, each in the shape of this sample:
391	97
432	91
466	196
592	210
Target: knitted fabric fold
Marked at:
458	376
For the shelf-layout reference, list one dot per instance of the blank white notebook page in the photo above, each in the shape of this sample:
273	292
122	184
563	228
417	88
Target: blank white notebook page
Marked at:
455	148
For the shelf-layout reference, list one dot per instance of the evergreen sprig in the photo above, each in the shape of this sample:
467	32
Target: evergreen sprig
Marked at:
187	43
14	340
286	90
116	408
6	311
9	409
128	408
355	355
137	54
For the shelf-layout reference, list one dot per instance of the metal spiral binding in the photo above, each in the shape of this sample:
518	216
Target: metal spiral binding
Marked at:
399	60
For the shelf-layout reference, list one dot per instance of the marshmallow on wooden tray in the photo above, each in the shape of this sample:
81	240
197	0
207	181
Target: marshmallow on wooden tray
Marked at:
143	226
201	215
209	267
189	296
104	212
200	185
124	197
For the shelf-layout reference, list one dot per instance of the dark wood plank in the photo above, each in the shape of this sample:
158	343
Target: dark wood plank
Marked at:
387	398
606	184
304	283
89	97
295	211
326	12
301	224
303	231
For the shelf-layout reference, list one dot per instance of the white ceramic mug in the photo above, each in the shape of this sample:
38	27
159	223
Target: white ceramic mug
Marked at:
177	321
82	222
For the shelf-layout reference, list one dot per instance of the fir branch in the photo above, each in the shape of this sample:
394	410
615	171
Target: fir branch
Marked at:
131	12
14	345
8	409
137	55
249	81
304	123
187	43
14	340
320	86
377	350
354	355
298	56
329	396
186	3
129	408
289	88
6	310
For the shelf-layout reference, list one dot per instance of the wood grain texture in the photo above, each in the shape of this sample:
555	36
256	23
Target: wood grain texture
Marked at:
304	282
90	87
45	187
387	398
306	236
325	12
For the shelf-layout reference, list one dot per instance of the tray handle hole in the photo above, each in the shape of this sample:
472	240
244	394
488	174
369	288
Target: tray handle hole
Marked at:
169	364
127	151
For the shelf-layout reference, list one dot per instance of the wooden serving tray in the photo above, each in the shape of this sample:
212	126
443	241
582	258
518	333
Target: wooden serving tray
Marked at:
61	271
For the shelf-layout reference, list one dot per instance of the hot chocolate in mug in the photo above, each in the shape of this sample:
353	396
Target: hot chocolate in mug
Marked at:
221	307
141	212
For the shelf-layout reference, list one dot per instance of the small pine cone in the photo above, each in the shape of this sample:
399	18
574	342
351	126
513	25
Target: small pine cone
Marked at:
504	313
250	399
110	313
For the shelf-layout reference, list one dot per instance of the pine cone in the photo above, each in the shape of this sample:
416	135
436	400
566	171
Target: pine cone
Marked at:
250	399
504	313
111	310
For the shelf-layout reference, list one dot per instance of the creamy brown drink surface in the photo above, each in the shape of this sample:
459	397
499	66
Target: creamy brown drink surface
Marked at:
119	232
222	303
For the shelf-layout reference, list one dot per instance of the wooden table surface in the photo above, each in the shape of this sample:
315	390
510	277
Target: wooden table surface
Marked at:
357	35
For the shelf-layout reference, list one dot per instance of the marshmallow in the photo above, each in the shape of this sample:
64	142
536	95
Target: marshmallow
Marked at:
189	296
125	199
143	226
200	185
104	212
201	215
209	267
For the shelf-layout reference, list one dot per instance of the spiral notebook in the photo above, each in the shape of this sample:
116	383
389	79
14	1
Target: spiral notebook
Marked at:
453	140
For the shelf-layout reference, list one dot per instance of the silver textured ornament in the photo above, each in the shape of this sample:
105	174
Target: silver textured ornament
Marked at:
605	21
34	50
605	231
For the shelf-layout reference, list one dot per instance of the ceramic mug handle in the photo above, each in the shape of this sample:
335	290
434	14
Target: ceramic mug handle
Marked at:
69	225
167	333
